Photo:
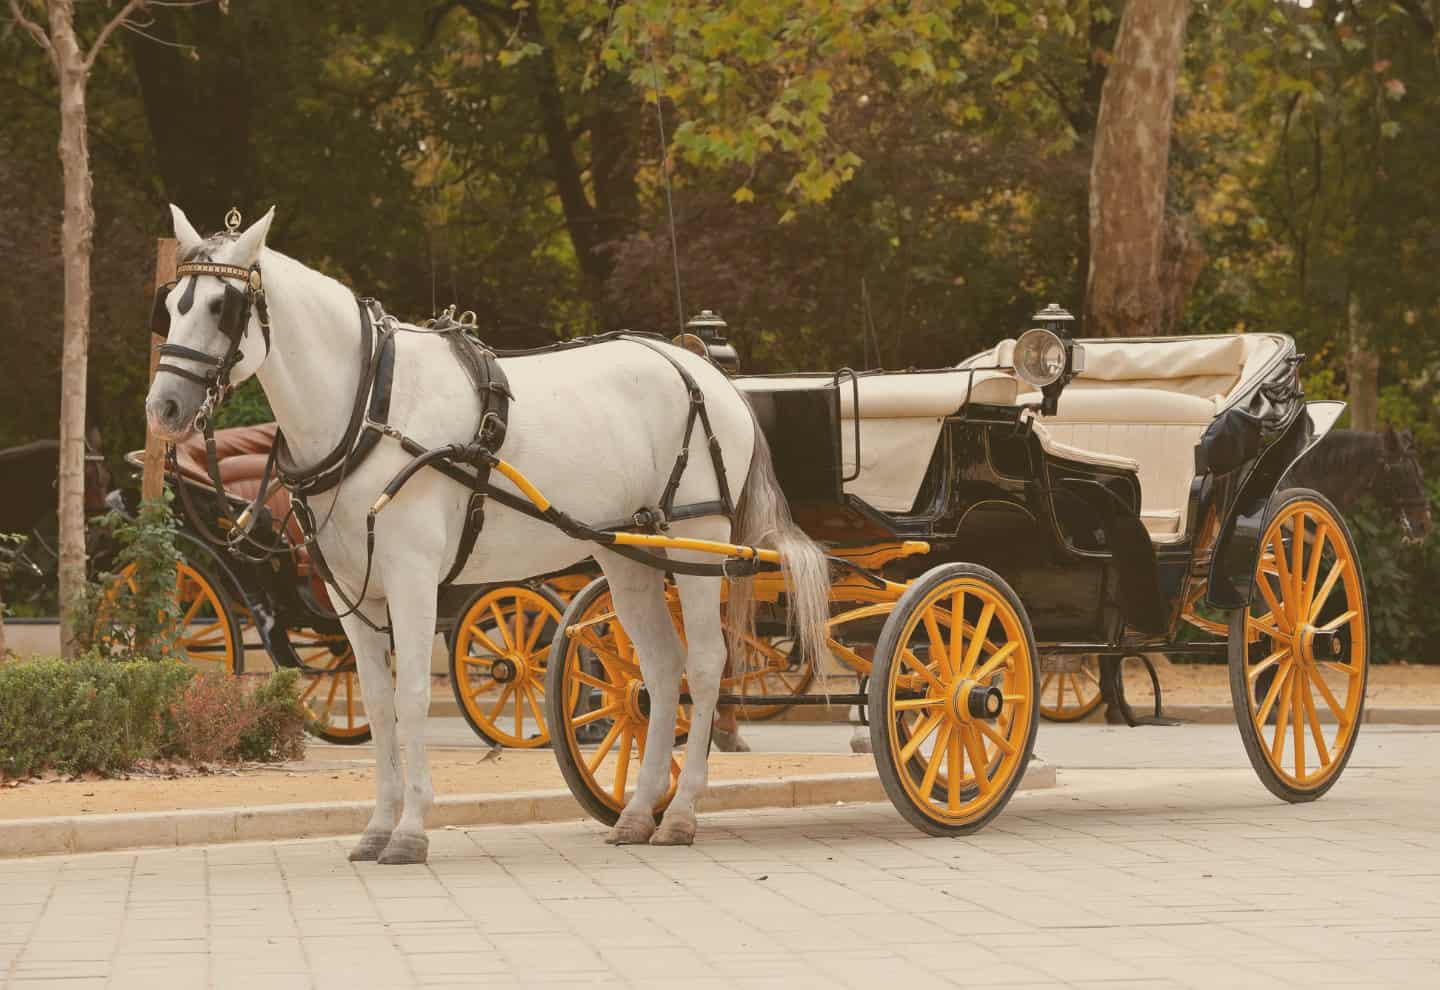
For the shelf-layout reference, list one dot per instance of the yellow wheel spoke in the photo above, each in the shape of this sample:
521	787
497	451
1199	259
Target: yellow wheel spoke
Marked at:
1282	722
942	743
953	772
1345	618
478	634
1317	550
594	682
908	704
518	636
1280	678
1335	707
1005	745
508	690
1286	581
1297	708
534	707
500	626
937	638
603	712
921	732
1318	602
1279	613
957	632
1045	684
977	639
1297	570
622	765
906	657
1267	663
1312	717
606	744
486	662
975	749
1002	656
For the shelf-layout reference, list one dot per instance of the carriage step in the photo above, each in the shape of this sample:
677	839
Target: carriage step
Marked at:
1118	710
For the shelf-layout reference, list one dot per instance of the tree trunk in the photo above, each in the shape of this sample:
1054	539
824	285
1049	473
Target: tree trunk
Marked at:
1362	366
1130	171
76	238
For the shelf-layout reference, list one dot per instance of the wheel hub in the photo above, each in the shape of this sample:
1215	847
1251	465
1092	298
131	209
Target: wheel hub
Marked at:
970	701
505	670
637	702
1320	645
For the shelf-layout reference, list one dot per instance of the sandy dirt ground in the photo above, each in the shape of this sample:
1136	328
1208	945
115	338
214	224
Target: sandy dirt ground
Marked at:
467	771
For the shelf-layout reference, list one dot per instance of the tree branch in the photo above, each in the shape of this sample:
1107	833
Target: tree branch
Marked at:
35	31
130	7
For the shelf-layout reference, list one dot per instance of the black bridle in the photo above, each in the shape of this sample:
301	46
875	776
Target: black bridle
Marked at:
234	320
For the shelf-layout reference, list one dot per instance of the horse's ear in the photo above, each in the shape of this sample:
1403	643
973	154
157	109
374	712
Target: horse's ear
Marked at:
248	244
185	233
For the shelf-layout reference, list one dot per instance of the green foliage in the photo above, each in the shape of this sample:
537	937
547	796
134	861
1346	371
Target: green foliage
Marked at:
90	714
1399	582
97	715
277	729
132	612
246	406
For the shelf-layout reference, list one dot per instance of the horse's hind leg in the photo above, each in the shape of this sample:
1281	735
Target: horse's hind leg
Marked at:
705	666
372	650
639	594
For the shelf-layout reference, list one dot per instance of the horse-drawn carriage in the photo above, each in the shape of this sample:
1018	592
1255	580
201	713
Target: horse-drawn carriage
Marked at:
1047	498
938	531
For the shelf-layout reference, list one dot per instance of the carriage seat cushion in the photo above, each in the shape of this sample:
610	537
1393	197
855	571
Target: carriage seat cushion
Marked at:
1155	430
901	416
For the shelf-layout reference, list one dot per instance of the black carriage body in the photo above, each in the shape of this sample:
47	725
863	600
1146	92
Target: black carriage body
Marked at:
1064	532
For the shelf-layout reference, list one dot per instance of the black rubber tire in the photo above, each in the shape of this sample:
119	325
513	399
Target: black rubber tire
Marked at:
1239	695
881	713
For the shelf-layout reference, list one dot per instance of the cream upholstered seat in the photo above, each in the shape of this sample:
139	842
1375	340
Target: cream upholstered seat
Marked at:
900	419
1149	400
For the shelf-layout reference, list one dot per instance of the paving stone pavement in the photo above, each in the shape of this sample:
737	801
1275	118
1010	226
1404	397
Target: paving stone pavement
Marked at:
1129	874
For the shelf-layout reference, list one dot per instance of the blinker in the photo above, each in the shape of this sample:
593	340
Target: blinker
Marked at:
159	314
232	317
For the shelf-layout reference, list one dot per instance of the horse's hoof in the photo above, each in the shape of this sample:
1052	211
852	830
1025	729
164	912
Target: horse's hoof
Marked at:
405	850
728	740
681	833
369	848
631	831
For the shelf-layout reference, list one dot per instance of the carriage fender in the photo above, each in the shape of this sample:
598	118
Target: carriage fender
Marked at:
1237	549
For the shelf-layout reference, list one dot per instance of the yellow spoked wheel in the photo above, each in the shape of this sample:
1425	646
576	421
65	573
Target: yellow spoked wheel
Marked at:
332	688
953	699
599	710
774	668
1300	653
1071	690
497	663
207	632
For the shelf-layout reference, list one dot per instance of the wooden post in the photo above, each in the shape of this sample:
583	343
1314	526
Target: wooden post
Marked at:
152	481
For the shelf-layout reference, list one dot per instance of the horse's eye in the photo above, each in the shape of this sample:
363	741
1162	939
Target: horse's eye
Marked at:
215	307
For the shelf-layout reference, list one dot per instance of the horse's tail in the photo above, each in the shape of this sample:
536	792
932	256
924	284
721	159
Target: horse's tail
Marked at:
763	519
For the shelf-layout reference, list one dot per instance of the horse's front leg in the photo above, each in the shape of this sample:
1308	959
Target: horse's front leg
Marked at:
412	613
372	651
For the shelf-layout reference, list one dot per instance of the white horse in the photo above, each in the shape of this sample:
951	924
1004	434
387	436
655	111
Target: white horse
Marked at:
596	429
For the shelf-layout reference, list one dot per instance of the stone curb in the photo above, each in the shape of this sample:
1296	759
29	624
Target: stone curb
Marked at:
98	833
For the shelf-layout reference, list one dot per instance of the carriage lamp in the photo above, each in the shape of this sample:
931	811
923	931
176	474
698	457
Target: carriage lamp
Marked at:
710	327
1047	357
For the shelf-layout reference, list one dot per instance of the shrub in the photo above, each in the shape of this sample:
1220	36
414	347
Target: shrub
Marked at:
83	715
277	731
209	718
93	714
135	617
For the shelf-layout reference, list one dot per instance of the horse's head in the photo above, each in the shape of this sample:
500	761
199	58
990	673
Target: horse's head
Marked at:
214	321
1404	484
